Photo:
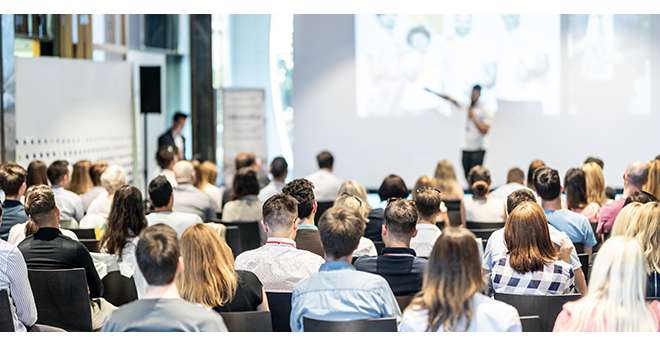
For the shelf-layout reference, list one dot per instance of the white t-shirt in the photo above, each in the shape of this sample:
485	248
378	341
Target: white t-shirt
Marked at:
326	185
475	140
490	209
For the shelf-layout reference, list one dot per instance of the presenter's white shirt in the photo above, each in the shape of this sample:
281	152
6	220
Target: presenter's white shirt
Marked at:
326	185
475	140
179	221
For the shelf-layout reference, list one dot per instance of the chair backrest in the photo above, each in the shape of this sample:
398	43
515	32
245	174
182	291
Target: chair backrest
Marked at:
483	234
489	226
320	209
280	310
62	298
379	247
118	289
584	261
84	233
404	301
454	212
248	321
371	325
6	319
579	247
440	225
247	237
531	323
233	239
92	245
546	307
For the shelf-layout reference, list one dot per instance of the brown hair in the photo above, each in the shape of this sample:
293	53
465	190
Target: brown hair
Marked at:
209	278
126	219
401	218
245	183
533	166
39	205
515	175
243	160
12	177
479	180
280	211
96	170
341	230
427	202
157	254
527	237
208	173
36	173
452	278
423	182
81	182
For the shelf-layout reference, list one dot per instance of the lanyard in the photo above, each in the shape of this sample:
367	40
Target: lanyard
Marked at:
279	243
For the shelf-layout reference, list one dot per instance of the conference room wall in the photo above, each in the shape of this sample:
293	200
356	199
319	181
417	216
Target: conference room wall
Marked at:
324	101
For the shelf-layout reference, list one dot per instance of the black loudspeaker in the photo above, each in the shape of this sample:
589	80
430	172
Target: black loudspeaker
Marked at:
149	89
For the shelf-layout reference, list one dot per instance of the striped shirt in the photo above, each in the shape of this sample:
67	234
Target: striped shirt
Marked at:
14	279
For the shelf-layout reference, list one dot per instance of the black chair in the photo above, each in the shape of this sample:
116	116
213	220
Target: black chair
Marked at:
6	319
584	261
248	321
371	325
242	236
118	289
454	212
92	245
484	235
440	225
84	233
531	323
546	307
320	209
488	226
280	310
379	247
404	301
62	298
579	247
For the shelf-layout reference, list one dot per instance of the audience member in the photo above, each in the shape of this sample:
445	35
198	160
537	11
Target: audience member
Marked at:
451	298
446	181
639	196
325	182
596	160
397	263
515	180
576	226
112	179
278	264
208	175
481	206
166	157
242	160
615	302
626	222
68	202
81	182
37	174
209	278
366	247
533	166
245	206
96	170
634	178
575	187
423	182
12	182
338	291
162	200
162	309
595	181
187	198
307	237
392	187
427	202
532	266
279	169
653	182
354	188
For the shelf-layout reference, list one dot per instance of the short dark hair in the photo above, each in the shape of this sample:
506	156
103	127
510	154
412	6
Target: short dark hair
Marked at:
595	160
479	180
160	191
641	197
244	159
303	191
401	217
165	156
547	183
12	177
178	116
245	183
279	168
325	159
518	197
157	254
96	170
393	186
476	87
427	202
57	171
340	230
279	211
515	175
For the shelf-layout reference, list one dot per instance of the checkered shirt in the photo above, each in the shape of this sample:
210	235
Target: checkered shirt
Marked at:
555	278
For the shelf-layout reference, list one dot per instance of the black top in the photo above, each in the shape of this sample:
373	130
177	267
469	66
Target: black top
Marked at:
375	224
653	286
399	266
49	249
248	294
167	140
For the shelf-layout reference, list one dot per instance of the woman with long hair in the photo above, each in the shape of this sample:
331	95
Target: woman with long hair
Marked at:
533	166
36	174
481	207
210	278
451	298
206	180
626	222
81	182
595	181
616	300
445	176
245	206
575	186
95	172
653	183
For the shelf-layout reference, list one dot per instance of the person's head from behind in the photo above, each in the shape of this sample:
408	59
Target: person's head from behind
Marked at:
393	186
209	277
41	208
400	222
518	197
353	188
208	173
166	157
354	203
427	202
595	182
423	182
280	216
641	197
279	169
96	170
125	221
626	221
636	175
303	191
515	175
596	160
444	170
527	237
575	186
157	255
113	178
36	173
178	122
325	160
479	181
245	183
533	166
653	181
160	194
184	171
12	180
647	233
81	182
547	183
476	93
245	159
452	277
59	173
340	230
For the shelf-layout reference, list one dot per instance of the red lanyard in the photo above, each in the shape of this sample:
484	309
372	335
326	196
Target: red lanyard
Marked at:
279	243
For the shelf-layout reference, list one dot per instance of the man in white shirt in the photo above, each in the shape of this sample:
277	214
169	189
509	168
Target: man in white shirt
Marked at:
278	264
515	180
427	202
279	169
162	199
325	183
70	204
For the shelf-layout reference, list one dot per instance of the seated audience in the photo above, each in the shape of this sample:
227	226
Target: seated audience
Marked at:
162	309
481	206
279	169
427	202
533	166
166	157
208	174
392	187
12	182
532	266
245	205
615	302
354	188
575	187
595	181
112	179
96	170
576	226
37	174
81	182
634	178
278	264
68	203
326	184
397	263
338	291
366	247
307	237
515	180
209	278
445	176
653	182
451	298
187	198
242	160
162	200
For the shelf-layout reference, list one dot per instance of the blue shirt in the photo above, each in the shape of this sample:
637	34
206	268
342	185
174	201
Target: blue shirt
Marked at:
576	226
340	293
13	213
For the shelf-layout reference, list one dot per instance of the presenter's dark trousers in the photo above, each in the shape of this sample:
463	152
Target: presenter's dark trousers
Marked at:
472	158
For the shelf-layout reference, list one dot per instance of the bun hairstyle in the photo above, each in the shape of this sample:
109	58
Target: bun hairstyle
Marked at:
479	180
39	203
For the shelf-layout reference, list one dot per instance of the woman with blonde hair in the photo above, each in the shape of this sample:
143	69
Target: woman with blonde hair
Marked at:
81	182
445	176
595	181
354	188
366	246
451	298
616	300
653	183
210	278
625	222
423	182
207	176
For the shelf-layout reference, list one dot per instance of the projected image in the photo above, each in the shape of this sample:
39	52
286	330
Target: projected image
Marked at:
514	57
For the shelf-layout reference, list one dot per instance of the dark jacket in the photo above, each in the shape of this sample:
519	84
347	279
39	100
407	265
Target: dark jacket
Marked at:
167	140
402	269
